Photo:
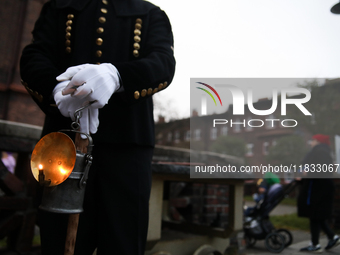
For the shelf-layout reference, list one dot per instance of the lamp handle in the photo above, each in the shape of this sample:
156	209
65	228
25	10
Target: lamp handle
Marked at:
89	138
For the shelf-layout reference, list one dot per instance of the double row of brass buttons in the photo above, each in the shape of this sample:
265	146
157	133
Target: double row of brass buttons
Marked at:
137	37
68	29
100	30
150	91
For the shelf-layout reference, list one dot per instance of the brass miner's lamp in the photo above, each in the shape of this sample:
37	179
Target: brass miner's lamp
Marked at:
62	170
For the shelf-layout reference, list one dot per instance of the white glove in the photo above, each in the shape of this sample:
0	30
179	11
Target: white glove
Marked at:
70	72
67	106
91	82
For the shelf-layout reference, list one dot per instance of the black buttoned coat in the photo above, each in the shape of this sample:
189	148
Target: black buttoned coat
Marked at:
73	32
136	37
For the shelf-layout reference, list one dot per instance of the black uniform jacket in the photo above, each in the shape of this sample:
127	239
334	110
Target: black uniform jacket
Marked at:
134	35
316	195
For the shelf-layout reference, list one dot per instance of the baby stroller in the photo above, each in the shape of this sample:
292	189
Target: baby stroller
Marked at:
257	225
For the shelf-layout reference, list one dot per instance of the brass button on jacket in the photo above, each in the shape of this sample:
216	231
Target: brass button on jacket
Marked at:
99	41
160	86
100	30
136	53
139	21
102	20
137	32
103	10
137	39
24	83
143	94
99	53
149	91
136	95
136	46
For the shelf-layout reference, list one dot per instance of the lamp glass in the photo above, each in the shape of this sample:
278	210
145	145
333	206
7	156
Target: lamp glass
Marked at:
54	158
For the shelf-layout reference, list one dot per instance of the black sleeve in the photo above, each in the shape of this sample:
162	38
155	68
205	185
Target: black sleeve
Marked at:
38	63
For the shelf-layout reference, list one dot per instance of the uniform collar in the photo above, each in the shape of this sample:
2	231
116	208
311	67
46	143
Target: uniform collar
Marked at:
122	7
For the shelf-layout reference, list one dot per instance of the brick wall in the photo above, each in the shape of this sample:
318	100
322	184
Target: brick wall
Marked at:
200	203
23	109
216	206
11	22
17	19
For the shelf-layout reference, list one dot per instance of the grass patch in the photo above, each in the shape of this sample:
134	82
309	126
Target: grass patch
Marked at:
248	198
290	221
36	240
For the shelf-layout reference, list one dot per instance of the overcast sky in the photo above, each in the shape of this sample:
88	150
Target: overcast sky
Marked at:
249	39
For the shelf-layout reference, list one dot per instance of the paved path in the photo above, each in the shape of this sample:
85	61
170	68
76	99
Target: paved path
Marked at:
300	239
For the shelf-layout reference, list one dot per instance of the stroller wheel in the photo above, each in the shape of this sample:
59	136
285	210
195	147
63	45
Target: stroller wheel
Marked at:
250	242
286	235
275	242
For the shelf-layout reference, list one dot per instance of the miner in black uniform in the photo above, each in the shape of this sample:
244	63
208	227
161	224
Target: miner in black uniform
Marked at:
114	54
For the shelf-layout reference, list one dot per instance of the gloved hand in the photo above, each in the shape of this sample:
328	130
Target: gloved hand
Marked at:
67	106
70	72
93	82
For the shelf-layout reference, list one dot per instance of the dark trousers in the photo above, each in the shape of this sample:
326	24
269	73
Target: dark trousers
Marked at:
115	217
316	226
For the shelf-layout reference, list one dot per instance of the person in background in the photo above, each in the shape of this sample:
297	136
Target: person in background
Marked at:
260	190
316	195
257	197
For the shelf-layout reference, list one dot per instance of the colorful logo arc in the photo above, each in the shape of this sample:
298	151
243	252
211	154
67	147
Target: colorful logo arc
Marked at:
212	89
